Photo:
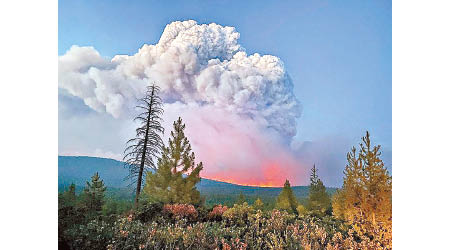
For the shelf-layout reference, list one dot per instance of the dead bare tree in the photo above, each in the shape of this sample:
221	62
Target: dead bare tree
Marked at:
141	151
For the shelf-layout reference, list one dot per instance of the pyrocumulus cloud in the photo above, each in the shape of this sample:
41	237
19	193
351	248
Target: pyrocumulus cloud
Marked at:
240	109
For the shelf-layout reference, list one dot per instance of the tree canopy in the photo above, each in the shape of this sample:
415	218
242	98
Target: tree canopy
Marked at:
93	194
241	199
318	199
366	194
258	204
177	174
287	200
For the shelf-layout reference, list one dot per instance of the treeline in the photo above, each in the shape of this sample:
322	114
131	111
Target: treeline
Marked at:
170	213
357	216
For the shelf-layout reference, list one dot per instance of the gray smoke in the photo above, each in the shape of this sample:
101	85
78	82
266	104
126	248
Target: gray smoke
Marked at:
192	63
240	110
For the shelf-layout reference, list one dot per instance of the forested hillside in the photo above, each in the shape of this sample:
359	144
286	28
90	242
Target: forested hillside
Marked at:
79	169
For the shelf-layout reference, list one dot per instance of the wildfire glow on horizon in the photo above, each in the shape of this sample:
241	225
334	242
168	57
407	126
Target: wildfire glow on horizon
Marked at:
273	176
246	184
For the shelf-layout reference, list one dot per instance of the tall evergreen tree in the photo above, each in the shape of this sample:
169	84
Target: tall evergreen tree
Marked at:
67	214
367	187
313	178
258	204
93	194
140	151
241	199
177	174
318	199
286	200
67	207
67	198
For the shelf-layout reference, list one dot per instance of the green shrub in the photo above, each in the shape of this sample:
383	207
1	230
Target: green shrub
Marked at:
129	233
96	234
148	212
238	214
301	210
177	227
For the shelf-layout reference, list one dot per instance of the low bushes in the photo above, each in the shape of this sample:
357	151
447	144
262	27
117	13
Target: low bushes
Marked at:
180	226
238	214
217	212
180	211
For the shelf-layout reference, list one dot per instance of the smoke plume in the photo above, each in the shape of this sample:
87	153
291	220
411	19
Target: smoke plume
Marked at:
240	110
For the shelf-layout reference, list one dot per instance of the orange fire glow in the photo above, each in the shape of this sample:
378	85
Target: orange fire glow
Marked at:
237	182
240	151
272	175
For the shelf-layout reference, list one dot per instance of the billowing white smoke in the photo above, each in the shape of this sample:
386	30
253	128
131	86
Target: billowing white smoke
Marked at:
200	66
191	63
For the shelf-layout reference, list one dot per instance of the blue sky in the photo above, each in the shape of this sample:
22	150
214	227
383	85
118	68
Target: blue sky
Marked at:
338	53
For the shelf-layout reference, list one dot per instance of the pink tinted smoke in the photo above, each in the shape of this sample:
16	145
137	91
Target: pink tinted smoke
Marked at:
235	148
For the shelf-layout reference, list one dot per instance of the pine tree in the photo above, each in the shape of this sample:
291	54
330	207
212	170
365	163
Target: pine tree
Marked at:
175	179
366	194
93	194
314	178
141	150
286	200
241	199
67	198
318	199
67	206
67	213
258	204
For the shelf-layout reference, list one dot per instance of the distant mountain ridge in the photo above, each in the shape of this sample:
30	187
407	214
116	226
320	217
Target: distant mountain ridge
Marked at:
79	169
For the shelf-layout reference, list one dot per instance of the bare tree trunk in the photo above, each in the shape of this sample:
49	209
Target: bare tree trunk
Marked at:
141	169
